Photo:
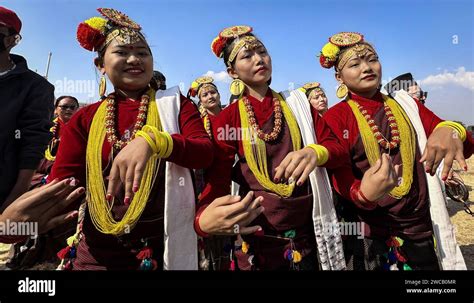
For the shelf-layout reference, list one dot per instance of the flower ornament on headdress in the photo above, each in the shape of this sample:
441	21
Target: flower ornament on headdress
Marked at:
331	50
96	32
308	87
91	33
217	46
199	84
229	34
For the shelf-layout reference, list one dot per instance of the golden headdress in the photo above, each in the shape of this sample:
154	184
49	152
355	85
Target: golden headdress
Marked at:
95	33
331	51
309	87
229	34
200	83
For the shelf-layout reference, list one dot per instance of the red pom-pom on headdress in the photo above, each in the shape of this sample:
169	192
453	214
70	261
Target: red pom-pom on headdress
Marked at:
325	62
92	33
218	45
192	92
88	37
231	33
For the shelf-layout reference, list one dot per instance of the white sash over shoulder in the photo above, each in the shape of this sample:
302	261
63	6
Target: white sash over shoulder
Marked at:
180	240
448	251
329	245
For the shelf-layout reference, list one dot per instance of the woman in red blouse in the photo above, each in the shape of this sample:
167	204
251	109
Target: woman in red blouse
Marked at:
143	149
64	108
274	210
397	225
212	251
209	100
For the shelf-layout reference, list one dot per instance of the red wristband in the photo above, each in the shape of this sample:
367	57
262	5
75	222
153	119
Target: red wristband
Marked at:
359	198
354	191
364	197
197	228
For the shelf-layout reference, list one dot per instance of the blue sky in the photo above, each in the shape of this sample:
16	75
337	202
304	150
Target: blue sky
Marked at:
434	40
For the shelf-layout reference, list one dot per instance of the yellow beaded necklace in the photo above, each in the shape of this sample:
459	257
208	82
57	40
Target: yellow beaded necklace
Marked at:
99	208
251	141
407	143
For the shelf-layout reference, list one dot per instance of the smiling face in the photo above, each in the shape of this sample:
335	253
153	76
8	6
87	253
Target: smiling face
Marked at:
209	97
361	74
252	65
128	67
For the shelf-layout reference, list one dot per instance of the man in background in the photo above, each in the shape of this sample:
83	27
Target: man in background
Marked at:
26	107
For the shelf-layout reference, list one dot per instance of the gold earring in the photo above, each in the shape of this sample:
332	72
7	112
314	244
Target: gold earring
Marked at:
102	87
342	91
237	87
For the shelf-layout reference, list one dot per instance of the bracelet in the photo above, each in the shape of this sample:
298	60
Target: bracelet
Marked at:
197	227
148	139
357	195
354	190
169	144
364	197
455	126
322	153
163	141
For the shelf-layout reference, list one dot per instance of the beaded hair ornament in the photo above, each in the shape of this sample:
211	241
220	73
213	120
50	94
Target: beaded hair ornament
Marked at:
331	52
229	34
200	83
309	87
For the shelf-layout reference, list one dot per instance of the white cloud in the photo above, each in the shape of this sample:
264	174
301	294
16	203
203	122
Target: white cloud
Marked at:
219	76
461	78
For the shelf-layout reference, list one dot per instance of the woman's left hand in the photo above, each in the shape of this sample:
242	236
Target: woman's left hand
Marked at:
297	165
127	169
444	143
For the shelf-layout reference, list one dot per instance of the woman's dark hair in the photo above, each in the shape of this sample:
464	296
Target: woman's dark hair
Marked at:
56	103
158	81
